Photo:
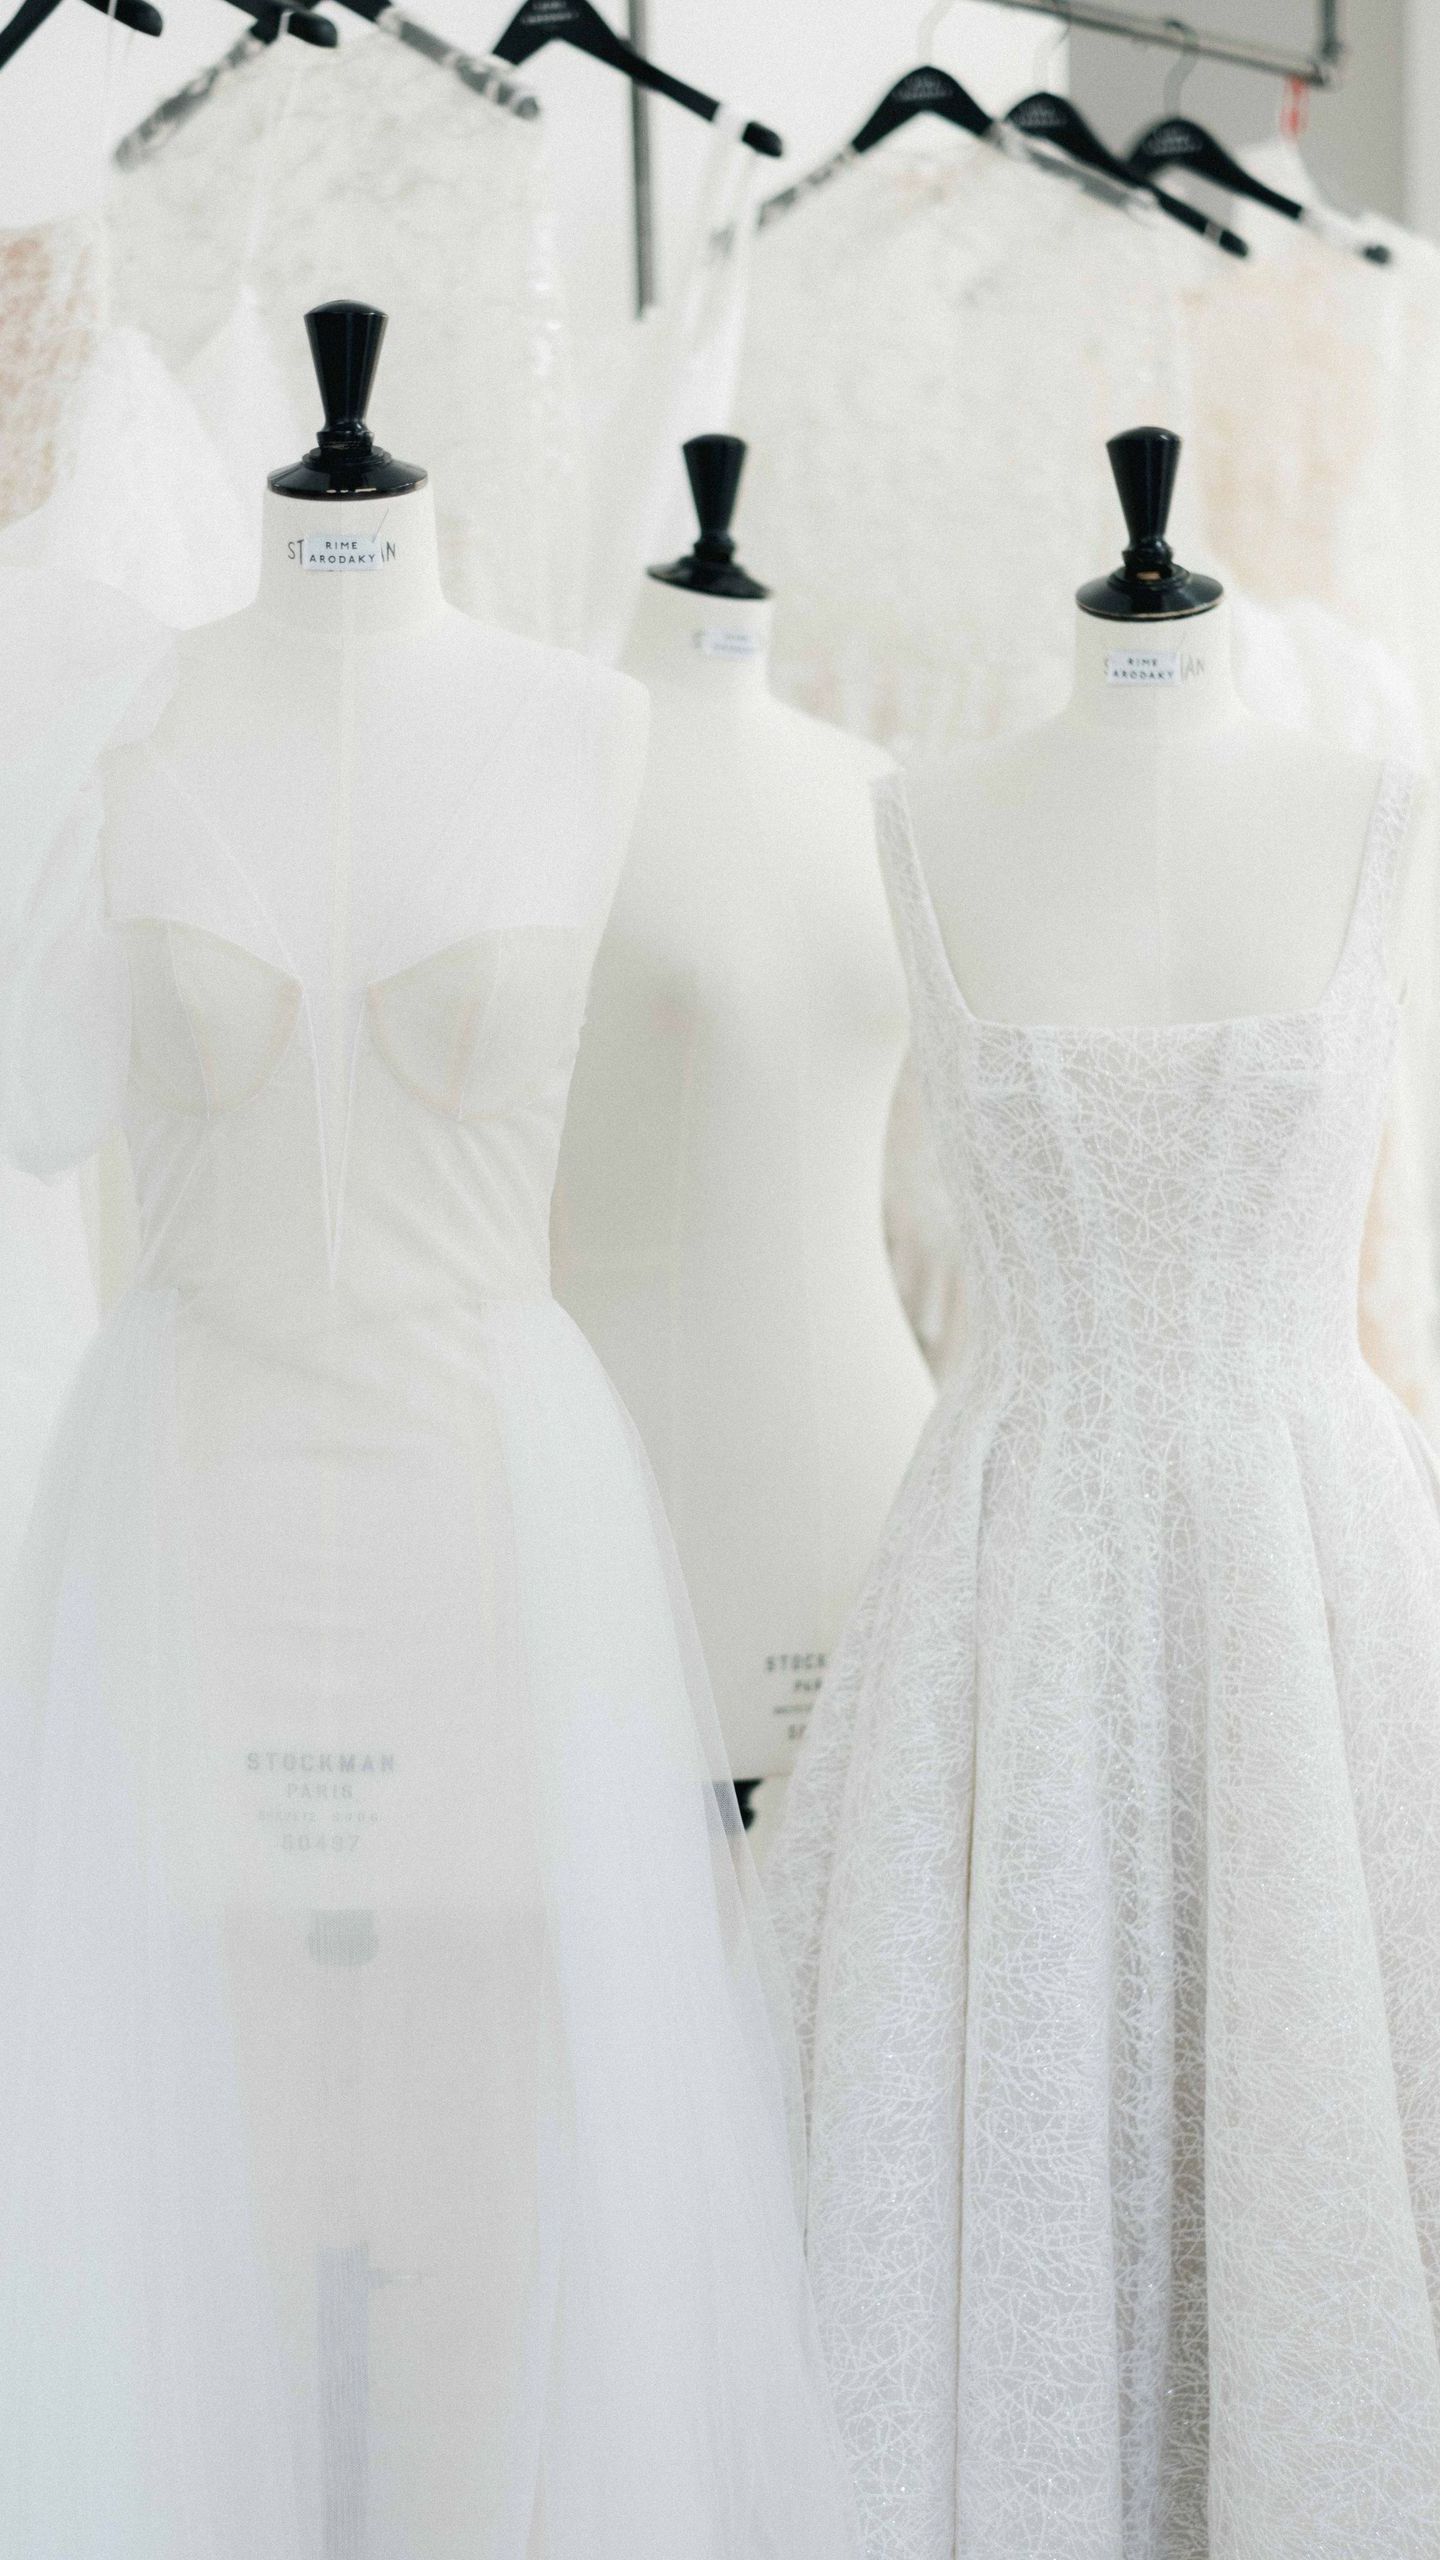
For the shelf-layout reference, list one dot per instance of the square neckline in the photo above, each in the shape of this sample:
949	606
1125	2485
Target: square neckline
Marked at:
1384	827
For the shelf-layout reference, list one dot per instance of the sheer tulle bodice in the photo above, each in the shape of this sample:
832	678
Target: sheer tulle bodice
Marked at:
414	1168
395	2154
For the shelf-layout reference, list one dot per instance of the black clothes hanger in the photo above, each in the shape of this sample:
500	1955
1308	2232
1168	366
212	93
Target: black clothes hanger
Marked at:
1178	142
31	14
578	23
304	24
1047	117
922	92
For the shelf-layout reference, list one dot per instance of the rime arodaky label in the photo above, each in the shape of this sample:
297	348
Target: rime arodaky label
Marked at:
332	551
718	642
1142	666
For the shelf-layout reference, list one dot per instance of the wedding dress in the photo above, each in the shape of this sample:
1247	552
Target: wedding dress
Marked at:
367	171
552	439
1315	374
393	2138
104	473
937	344
926	510
1110	1881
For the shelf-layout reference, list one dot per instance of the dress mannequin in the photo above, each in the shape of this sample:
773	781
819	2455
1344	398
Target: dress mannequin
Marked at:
342	1805
717	1228
1155	853
1086	1874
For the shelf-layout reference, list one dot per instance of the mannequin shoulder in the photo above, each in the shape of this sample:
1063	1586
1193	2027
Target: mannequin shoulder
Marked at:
615	706
953	798
857	757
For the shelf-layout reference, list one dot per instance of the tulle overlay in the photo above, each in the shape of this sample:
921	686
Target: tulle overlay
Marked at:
1110	1880
324	2193
397	2146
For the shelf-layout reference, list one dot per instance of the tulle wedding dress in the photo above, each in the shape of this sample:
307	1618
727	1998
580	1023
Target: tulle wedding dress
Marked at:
1110	1879
394	2151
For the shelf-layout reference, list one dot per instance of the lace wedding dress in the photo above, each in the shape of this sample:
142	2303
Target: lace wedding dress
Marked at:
937	344
369	172
1110	1881
552	439
104	473
394	2154
926	509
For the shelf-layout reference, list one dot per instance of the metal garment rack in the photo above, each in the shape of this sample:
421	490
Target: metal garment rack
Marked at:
642	171
1319	69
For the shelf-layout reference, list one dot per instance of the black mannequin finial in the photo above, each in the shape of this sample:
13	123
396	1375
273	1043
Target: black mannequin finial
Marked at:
1150	585
714	464
346	462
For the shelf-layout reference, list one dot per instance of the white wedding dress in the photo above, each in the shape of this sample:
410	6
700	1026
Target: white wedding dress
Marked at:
394	2155
367	171
938	342
1110	1879
926	502
552	437
104	474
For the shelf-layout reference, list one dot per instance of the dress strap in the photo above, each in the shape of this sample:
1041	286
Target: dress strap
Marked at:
1364	945
917	927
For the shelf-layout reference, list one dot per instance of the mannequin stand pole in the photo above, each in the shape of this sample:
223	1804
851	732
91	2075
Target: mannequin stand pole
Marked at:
343	1941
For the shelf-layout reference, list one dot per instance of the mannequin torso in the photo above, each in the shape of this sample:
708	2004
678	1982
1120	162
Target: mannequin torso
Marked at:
1153	854
717	1230
350	637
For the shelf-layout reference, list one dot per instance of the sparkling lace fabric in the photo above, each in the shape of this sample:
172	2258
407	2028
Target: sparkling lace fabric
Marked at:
937	345
372	172
52	310
925	509
1109	1879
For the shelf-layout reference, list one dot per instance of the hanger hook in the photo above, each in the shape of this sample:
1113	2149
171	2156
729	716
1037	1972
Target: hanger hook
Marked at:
929	28
1181	68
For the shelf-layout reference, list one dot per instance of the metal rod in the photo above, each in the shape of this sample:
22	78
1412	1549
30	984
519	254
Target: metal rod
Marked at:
641	164
1318	69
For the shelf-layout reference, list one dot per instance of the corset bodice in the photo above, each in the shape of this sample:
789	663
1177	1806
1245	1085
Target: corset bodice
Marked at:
346	1051
1149	1209
429	1181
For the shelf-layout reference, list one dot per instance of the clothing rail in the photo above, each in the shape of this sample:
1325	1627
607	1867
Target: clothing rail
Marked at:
642	177
1318	69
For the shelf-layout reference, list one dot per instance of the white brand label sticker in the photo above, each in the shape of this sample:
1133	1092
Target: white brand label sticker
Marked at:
345	551
1142	666
715	642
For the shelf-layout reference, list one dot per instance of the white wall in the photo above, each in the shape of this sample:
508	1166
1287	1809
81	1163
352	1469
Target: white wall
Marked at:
1355	142
1422	115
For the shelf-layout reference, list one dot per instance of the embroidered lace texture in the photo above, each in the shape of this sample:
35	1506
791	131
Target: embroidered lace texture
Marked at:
919	493
370	172
926	512
51	313
1109	1879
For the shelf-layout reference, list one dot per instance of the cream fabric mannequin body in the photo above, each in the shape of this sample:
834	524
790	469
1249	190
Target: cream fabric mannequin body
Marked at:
717	1230
1155	853
394	2147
